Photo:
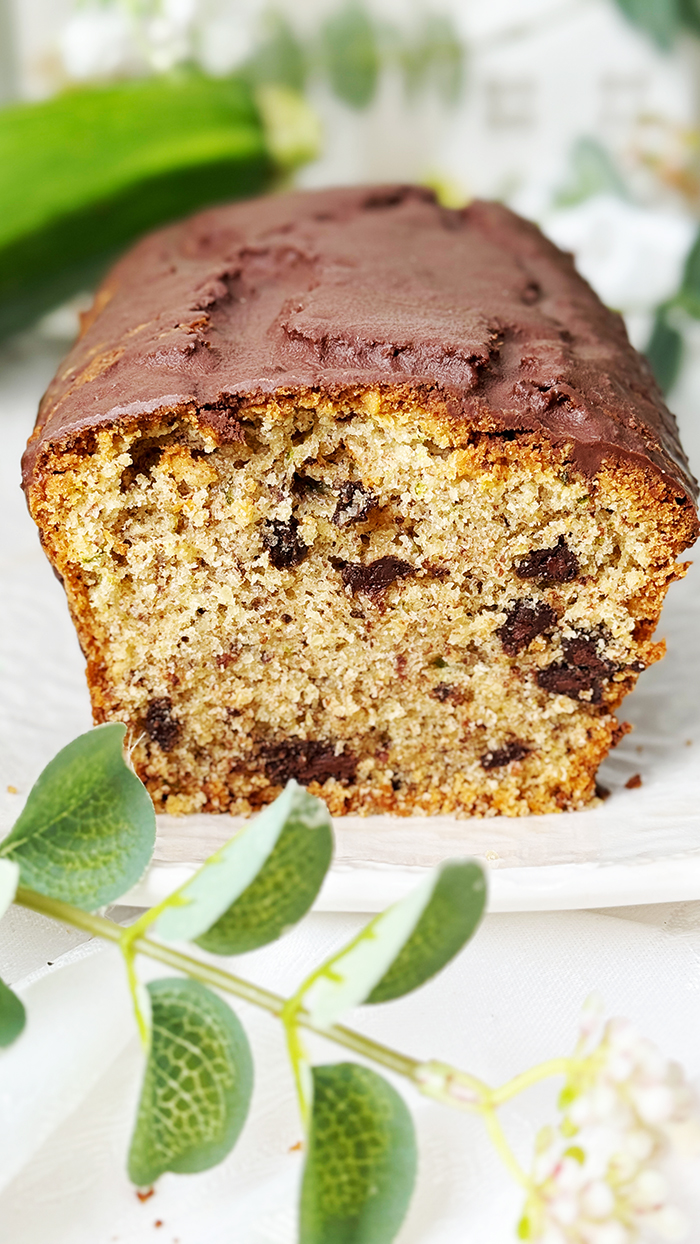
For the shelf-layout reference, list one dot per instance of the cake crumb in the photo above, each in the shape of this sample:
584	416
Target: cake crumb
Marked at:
145	1196
318	651
295	1148
633	782
12	790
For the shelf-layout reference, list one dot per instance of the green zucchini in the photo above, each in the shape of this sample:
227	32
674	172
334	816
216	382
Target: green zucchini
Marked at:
84	173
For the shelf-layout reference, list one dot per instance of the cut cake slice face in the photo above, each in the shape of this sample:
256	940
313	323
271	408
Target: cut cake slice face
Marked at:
354	489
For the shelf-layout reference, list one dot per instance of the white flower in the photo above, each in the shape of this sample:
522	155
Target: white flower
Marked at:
96	42
168	33
597	1178
224	42
103	40
633	256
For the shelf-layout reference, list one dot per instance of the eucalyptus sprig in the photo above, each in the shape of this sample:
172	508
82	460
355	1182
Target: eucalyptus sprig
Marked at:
84	838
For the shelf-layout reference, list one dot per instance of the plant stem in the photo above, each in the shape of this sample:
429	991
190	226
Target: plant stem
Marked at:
209	974
132	980
555	1067
503	1149
438	1080
299	1061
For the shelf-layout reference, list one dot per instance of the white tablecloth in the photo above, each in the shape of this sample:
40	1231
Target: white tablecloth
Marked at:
68	1089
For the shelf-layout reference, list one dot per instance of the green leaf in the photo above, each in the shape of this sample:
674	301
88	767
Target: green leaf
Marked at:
660	19
690	15
664	351
279	60
434	59
361	1163
450	918
12	1015
292	128
351	55
689	294
87	831
591	171
259	884
108	163
447	57
197	1086
402	947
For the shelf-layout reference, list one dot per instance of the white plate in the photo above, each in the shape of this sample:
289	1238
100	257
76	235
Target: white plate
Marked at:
642	845
69	1087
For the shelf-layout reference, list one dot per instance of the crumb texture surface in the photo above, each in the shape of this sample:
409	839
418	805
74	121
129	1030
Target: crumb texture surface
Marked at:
399	623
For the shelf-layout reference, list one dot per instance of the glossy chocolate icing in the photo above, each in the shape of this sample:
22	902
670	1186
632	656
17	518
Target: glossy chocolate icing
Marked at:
474	311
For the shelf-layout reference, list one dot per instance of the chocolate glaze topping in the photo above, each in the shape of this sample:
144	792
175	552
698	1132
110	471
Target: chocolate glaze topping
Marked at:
474	311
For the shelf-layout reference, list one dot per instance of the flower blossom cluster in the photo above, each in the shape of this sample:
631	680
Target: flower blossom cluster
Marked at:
115	38
598	1177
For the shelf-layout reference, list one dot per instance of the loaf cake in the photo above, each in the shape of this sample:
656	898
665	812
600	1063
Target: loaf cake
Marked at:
349	487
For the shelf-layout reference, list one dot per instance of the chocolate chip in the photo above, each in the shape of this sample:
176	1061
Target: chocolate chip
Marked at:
306	483
227	658
447	691
283	544
442	692
561	680
523	622
377	576
557	565
160	724
582	651
144	455
503	756
354	504
228	428
307	760
582	670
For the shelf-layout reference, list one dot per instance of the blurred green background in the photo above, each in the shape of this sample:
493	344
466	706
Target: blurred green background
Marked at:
582	114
